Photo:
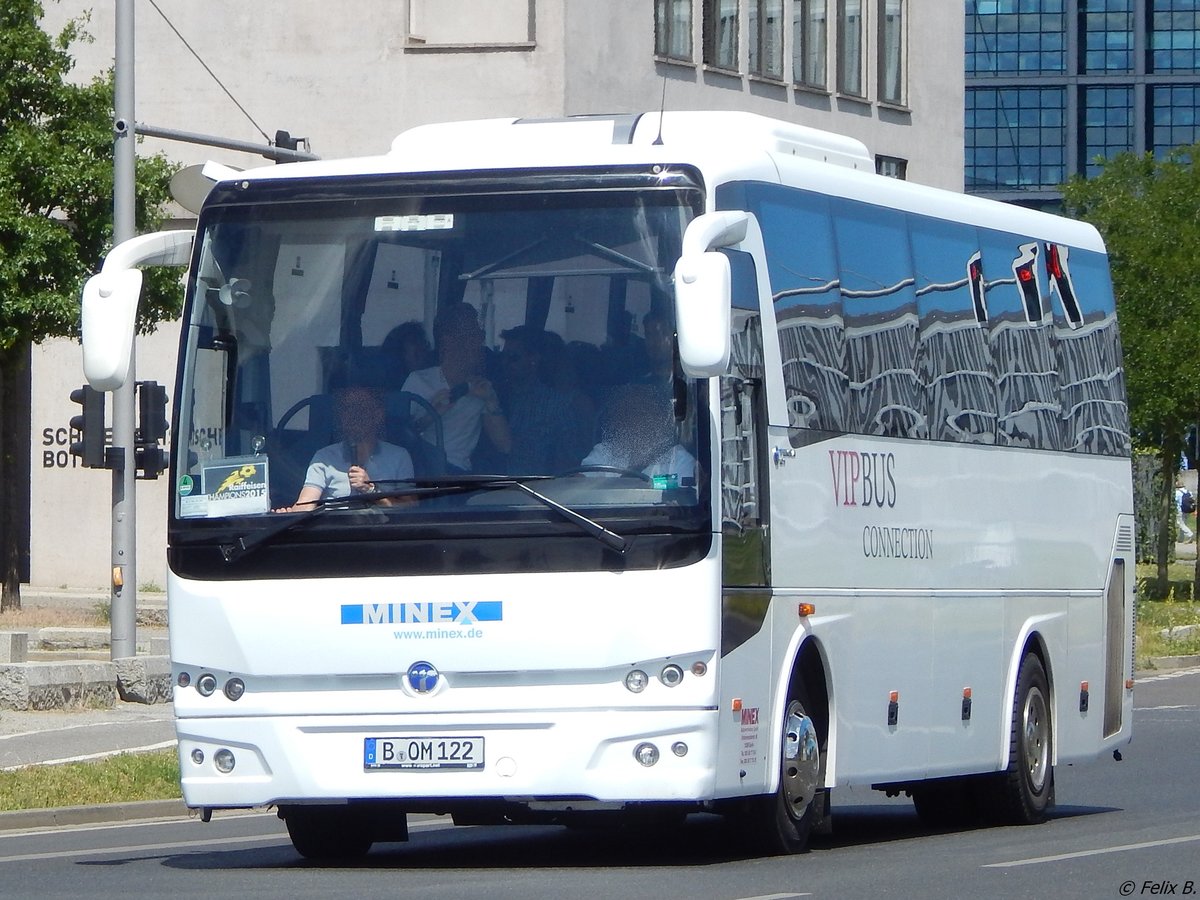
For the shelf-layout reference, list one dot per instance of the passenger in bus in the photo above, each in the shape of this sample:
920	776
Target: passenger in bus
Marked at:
540	417
360	463
406	348
638	433
459	390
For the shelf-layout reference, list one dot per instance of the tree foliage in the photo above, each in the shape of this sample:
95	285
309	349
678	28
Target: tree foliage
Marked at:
1148	211
56	196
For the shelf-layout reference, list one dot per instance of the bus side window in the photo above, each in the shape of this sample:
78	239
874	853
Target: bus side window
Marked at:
743	435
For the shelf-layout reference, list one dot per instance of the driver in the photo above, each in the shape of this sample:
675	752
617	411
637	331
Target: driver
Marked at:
355	463
638	433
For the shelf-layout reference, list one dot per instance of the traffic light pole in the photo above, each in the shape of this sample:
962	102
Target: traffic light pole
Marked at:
123	593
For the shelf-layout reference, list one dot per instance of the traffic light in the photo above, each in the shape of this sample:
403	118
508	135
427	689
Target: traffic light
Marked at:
152	429
89	425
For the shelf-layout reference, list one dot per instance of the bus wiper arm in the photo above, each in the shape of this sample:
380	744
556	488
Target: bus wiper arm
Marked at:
591	526
492	482
244	544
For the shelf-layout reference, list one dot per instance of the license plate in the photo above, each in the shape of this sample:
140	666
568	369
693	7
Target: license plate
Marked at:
422	752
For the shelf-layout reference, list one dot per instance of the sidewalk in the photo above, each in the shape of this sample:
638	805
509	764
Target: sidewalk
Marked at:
61	695
69	669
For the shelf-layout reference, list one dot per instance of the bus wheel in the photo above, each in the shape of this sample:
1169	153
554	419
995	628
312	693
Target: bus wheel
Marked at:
781	822
326	832
1024	791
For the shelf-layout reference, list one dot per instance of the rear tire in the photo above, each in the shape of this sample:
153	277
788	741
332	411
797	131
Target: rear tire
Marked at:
326	832
1024	792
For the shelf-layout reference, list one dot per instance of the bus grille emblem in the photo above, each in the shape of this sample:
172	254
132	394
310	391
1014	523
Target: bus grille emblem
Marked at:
422	677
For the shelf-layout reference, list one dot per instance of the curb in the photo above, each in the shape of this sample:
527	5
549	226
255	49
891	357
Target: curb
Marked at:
1168	663
102	813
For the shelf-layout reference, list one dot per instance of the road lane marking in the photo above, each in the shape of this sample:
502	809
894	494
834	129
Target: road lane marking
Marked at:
775	897
87	757
214	843
210	844
1175	673
122	724
1165	842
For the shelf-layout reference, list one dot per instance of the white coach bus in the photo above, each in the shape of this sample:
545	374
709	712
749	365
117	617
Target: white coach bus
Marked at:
735	474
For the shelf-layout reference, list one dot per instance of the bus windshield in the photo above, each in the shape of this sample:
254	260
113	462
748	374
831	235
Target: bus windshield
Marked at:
425	351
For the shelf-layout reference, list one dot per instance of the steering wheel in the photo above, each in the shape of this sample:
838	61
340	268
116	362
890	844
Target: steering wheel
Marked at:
292	410
412	424
611	470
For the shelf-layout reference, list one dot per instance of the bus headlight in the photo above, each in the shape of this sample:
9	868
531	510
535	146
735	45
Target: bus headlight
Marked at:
636	681
224	761
646	754
671	675
206	684
234	688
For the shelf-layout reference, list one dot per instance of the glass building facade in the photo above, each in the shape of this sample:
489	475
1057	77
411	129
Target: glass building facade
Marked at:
1054	87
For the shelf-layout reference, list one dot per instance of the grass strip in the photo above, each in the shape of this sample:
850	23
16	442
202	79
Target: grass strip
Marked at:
118	779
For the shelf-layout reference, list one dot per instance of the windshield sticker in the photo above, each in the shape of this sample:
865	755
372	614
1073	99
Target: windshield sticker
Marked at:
186	485
193	507
464	612
236	486
431	222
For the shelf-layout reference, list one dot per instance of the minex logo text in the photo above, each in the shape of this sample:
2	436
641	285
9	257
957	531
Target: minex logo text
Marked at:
462	612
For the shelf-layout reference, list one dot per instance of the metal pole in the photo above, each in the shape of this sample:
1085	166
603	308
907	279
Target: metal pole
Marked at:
123	597
279	154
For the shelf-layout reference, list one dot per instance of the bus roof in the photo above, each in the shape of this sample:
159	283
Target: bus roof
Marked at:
723	145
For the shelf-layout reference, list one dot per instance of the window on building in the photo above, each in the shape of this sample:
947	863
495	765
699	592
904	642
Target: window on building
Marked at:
500	22
891	51
766	37
1175	35
673	29
891	166
810	34
721	34
1107	35
1005	36
1107	126
1174	117
850	47
1015	138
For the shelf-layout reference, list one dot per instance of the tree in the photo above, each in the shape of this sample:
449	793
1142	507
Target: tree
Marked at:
1148	211
56	184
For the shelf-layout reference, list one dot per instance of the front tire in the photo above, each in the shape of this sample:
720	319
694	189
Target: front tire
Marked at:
326	832
781	822
1025	790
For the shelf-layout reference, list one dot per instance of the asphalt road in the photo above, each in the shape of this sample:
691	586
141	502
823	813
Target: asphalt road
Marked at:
1121	829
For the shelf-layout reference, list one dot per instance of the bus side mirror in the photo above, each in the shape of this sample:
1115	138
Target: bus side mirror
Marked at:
702	309
108	322
703	292
108	314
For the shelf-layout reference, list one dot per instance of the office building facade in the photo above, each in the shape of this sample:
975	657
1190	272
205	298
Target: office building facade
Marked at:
1055	86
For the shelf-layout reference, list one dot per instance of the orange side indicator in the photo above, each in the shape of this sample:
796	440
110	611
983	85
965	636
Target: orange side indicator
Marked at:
737	703
807	609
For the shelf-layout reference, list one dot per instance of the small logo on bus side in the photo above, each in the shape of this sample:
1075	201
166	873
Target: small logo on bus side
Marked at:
422	677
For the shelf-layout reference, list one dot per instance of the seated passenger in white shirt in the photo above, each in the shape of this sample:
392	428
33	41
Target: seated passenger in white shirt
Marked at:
458	389
360	462
638	433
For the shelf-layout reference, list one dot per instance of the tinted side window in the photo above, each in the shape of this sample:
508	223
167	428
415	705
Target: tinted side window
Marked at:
954	360
879	307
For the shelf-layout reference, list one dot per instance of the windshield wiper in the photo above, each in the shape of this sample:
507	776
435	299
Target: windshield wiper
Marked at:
247	543
609	538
